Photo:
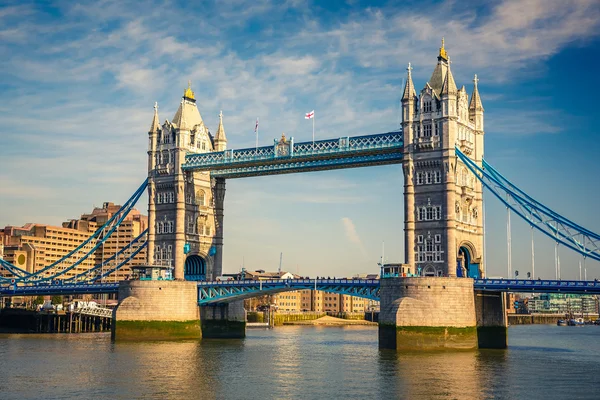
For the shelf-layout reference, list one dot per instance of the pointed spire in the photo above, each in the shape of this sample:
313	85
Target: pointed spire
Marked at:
449	86
220	138
409	88
155	121
188	93
475	103
443	55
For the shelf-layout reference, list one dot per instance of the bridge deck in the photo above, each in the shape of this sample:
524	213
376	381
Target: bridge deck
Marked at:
289	157
226	291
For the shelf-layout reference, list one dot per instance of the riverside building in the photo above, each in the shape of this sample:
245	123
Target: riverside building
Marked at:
34	246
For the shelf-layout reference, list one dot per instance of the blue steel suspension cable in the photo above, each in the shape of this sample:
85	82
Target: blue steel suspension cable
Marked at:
116	268
558	236
108	260
127	206
132	202
506	182
534	211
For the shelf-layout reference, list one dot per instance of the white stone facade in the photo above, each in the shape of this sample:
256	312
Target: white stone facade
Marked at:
443	200
185	210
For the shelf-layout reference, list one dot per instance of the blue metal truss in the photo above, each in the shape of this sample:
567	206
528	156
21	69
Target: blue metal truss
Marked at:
288	157
539	286
549	222
74	257
59	289
227	291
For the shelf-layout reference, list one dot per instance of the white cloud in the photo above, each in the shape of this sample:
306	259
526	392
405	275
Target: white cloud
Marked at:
352	235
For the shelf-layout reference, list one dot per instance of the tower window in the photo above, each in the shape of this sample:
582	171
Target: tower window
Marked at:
200	200
427	106
427	130
428	177
438	238
437	177
420	239
419	178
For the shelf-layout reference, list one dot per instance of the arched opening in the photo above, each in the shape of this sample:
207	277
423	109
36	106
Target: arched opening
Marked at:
195	268
464	264
429	271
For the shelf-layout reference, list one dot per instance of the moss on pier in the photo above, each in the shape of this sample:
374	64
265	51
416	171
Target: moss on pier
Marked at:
427	337
156	330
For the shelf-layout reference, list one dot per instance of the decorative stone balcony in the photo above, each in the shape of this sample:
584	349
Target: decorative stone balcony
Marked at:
427	142
466	146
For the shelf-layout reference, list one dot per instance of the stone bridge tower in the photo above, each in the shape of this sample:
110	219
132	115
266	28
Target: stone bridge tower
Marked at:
185	208
442	199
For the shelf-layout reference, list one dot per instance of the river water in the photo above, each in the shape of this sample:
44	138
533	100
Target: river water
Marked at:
298	362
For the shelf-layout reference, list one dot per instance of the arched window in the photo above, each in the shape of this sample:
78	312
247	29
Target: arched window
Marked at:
157	252
200	198
463	179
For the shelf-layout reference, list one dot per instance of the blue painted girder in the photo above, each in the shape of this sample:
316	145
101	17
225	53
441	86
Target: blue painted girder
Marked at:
64	289
227	291
538	286
344	152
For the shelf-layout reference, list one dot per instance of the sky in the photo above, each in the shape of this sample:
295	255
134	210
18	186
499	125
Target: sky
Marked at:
79	81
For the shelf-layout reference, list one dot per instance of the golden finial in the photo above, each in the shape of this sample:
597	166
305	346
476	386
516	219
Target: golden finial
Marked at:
443	53
188	92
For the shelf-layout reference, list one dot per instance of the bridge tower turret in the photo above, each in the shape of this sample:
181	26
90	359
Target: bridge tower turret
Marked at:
182	219
443	201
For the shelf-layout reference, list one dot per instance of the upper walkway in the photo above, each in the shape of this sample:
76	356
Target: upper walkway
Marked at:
285	156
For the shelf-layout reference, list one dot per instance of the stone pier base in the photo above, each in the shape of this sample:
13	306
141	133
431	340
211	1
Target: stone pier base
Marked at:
492	321
427	313
156	310
223	321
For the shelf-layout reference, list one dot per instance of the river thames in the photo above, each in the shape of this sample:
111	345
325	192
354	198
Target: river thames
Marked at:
294	362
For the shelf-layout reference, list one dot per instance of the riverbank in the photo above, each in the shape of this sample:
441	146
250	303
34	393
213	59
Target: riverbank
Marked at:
542	319
331	321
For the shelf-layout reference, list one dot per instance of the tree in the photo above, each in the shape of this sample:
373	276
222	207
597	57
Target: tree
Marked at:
39	300
57	299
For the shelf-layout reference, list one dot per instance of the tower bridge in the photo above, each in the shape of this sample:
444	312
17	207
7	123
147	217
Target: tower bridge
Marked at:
441	149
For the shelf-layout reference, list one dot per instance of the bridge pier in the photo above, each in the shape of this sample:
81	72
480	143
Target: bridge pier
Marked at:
156	310
223	321
427	313
492	320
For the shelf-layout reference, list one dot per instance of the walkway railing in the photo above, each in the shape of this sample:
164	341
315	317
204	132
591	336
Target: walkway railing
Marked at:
95	311
287	156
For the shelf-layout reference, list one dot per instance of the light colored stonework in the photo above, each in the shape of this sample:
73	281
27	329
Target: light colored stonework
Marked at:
443	201
184	208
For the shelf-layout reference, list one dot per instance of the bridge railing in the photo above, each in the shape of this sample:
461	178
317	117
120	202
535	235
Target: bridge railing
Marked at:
346	144
289	281
537	283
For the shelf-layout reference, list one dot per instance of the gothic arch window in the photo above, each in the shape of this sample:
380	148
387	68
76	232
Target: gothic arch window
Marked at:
189	198
463	176
200	198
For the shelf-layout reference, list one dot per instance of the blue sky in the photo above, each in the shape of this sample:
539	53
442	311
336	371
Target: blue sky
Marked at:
79	81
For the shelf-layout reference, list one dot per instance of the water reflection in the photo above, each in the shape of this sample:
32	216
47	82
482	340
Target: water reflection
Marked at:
441	374
299	363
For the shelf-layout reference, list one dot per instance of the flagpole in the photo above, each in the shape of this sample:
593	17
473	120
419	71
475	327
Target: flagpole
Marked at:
313	118
256	131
